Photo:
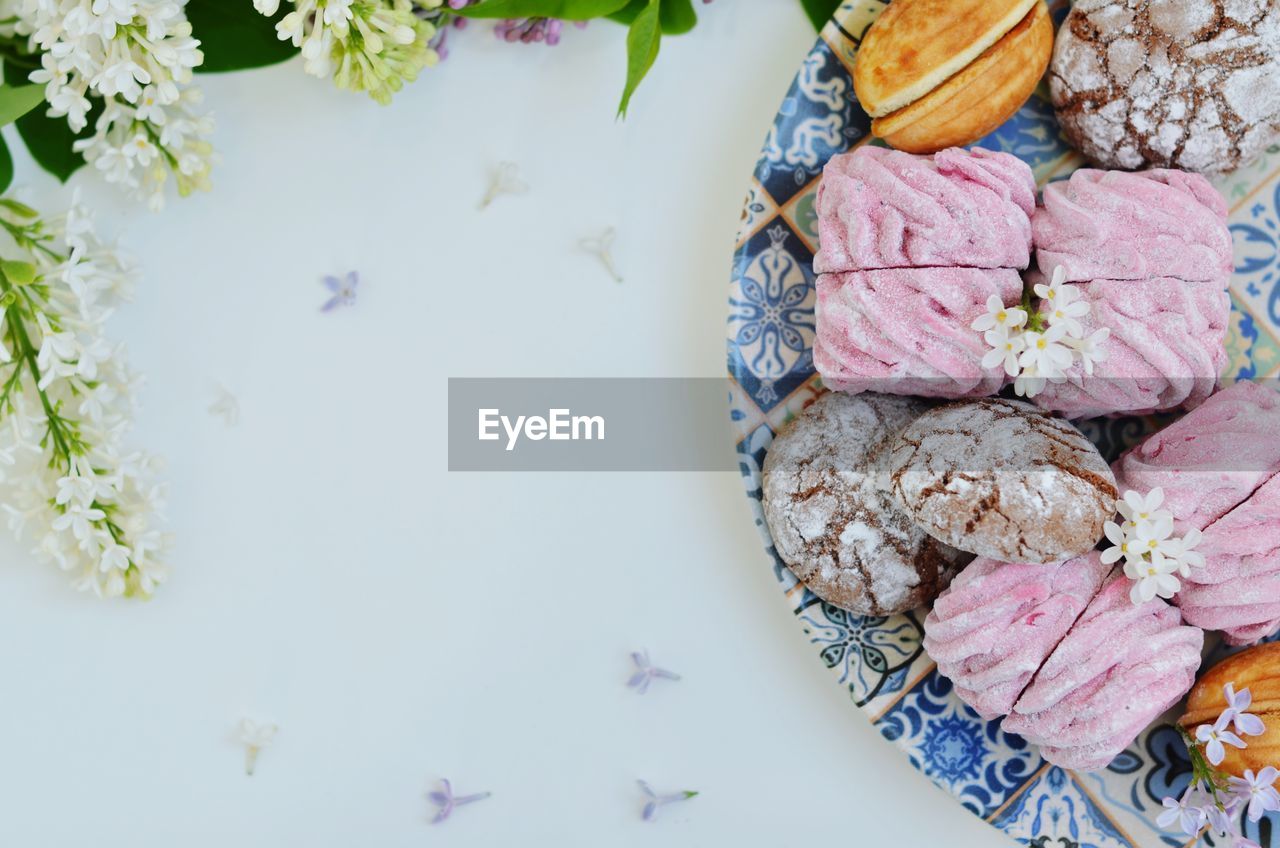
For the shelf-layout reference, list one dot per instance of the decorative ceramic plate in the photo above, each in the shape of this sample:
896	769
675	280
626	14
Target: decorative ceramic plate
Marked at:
880	661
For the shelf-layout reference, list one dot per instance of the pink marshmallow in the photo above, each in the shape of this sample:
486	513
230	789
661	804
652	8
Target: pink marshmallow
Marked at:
1238	589
1121	225
1117	670
998	623
1166	349
881	208
1210	460
906	331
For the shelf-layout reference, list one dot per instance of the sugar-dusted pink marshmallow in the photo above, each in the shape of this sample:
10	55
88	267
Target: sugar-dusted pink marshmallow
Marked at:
1166	349
998	622
1210	460
1238	589
906	331
1117	670
882	208
1122	225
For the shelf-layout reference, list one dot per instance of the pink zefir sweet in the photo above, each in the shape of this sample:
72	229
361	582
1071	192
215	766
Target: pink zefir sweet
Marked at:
1121	225
907	331
881	208
1166	348
1210	460
998	623
1117	670
1237	591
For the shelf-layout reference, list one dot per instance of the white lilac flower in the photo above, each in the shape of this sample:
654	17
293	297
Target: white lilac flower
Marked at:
67	400
1186	812
255	737
1150	580
1046	353
1029	383
135	57
446	802
1214	737
1121	544
1090	349
1182	552
374	46
505	179
1065	308
1011	318
601	247
1237	713
225	406
655	801
1138	509
646	672
1005	348
1257	791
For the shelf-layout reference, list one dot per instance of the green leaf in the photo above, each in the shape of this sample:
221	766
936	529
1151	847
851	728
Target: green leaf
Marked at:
234	37
643	40
18	100
6	166
678	16
18	273
50	139
820	11
568	10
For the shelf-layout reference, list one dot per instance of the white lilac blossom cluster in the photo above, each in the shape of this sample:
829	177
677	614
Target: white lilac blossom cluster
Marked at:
1214	800
66	403
1038	346
133	58
375	46
1153	558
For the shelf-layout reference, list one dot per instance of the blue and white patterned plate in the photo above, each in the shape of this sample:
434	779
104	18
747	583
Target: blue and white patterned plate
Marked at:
880	661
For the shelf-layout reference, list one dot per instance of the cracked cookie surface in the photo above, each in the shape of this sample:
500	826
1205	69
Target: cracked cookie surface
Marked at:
832	520
1192	84
1003	479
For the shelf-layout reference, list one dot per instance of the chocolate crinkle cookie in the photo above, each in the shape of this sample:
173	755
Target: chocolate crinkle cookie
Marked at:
832	521
1192	84
1003	479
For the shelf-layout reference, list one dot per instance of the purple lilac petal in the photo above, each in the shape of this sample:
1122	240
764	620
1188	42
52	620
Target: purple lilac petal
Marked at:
640	678
650	810
1249	724
439	798
332	283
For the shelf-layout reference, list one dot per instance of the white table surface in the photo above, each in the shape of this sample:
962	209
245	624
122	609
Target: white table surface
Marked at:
399	622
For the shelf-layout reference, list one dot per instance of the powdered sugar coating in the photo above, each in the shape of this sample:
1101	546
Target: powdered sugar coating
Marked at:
1193	84
1117	225
1166	350
830	518
1003	479
1117	670
1210	460
881	208
907	330
998	622
1238	589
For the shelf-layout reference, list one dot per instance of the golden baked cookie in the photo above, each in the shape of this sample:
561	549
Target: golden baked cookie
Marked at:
1258	670
944	73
